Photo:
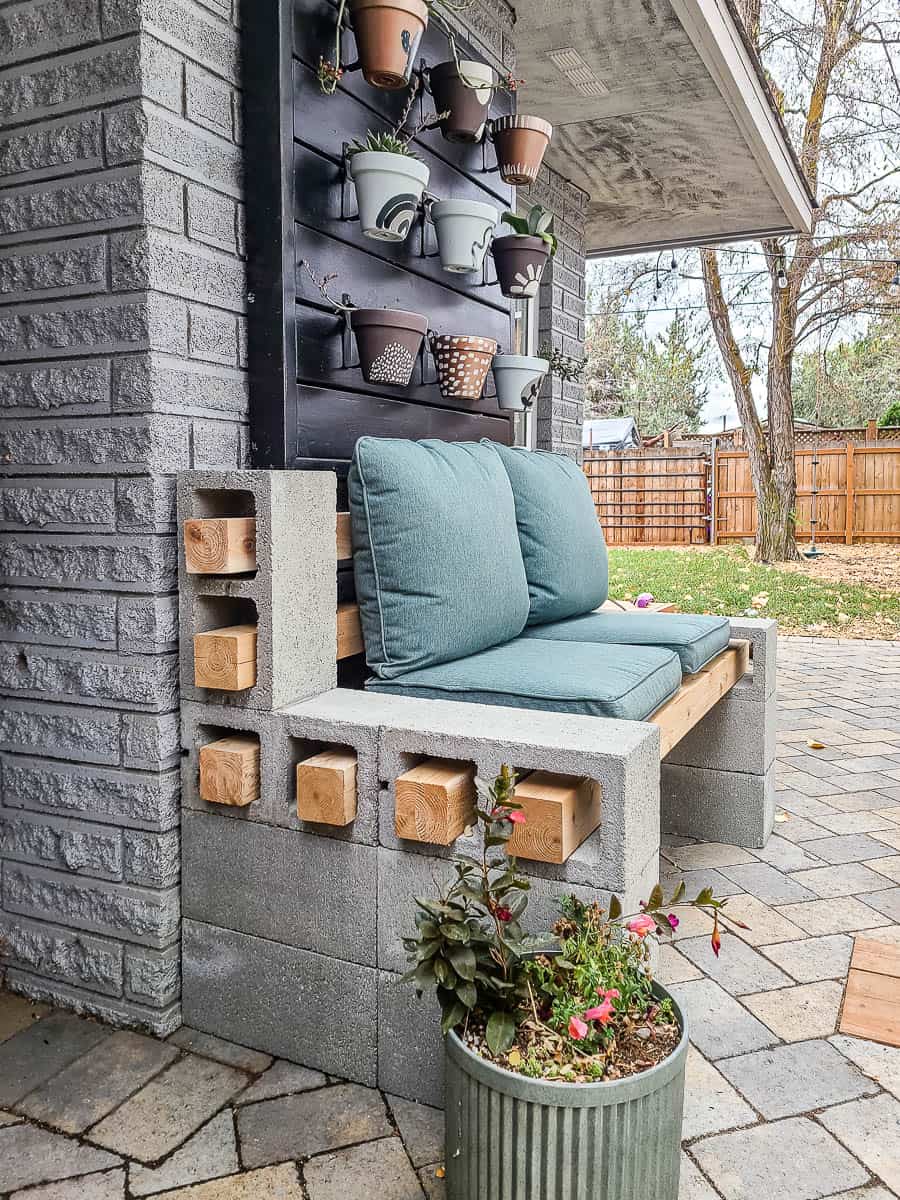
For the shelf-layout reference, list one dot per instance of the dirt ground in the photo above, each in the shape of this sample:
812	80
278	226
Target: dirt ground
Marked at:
868	566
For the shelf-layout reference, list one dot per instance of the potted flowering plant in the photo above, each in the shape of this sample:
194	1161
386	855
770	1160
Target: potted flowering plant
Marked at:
565	1034
387	32
521	256
518	377
390	180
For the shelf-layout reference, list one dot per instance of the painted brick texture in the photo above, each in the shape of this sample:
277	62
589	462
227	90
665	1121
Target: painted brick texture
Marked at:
121	301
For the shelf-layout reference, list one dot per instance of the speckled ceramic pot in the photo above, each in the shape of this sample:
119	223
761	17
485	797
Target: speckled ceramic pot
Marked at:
388	33
462	362
388	341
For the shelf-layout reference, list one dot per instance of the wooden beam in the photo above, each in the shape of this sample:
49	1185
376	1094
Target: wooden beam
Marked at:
344	546
349	631
435	801
220	546
560	812
326	788
851	495
699	693
225	658
229	771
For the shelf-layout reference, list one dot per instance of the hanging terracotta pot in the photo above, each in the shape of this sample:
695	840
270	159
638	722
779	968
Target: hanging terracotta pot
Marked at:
464	229
462	362
520	143
465	94
389	190
388	341
387	34
520	261
517	378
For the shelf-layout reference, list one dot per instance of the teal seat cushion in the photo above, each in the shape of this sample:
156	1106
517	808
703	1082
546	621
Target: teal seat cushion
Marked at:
561	539
628	682
695	639
439	572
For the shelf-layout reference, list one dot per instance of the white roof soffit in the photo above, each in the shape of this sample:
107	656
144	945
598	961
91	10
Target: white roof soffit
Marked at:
660	116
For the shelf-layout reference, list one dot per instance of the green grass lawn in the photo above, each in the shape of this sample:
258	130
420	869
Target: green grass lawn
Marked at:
729	582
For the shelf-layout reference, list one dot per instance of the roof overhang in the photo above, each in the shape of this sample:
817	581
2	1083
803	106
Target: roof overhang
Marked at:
662	116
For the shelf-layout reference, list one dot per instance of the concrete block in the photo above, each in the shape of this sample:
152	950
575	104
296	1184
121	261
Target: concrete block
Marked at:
106	200
56	148
59	505
190	150
58	618
762	634
295	575
205	723
152	977
124	563
622	756
216	444
150	741
209	101
119	1013
77	958
145	383
149	258
132	799
145	504
94	677
213	335
31	30
136	914
80	79
285	1000
733	736
147	624
151	859
60	387
111	445
38	271
717	806
309	892
212	218
60	731
410	1046
60	843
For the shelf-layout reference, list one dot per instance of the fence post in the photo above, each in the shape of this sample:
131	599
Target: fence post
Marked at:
851	499
713	495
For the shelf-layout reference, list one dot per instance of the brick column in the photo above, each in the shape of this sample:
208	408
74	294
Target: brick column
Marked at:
121	363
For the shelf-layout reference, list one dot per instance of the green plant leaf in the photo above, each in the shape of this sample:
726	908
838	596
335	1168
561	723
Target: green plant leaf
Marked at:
467	993
615	908
452	1017
656	899
500	1032
463	961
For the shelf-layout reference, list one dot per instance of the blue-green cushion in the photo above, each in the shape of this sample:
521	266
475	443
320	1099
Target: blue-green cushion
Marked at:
629	682
562	542
695	639
438	568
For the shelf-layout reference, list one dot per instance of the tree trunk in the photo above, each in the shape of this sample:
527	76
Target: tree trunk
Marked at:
776	501
775	524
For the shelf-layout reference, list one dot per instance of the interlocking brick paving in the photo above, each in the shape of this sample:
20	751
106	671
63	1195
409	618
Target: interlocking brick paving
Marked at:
778	1103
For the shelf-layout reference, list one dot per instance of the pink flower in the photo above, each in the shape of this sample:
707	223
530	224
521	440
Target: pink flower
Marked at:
577	1028
641	926
503	914
602	1013
612	994
516	816
673	920
715	939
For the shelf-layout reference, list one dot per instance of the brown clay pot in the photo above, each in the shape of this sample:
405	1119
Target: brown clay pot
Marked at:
467	106
462	361
520	143
520	263
387	34
388	341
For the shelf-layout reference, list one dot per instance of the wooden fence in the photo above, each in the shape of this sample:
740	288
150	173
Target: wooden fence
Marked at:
684	496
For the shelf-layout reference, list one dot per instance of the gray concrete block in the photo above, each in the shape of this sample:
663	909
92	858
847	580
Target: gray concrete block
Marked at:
151	859
55	148
184	146
410	1046
309	892
94	677
61	843
111	445
123	1014
131	799
209	101
205	723
733	736
762	634
61	387
106	200
216	444
58	618
144	382
145	504
213	333
133	563
60	731
152	977
295	573
150	741
81	79
147	624
58	505
717	806
149	258
136	914
77	958
240	987
39	271
31	30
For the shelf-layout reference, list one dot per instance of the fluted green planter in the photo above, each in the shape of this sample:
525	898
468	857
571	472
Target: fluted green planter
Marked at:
512	1138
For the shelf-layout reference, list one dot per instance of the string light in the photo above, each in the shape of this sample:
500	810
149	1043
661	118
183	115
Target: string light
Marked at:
895	282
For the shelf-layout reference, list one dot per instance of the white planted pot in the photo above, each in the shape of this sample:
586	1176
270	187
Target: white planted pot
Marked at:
517	378
389	191
464	229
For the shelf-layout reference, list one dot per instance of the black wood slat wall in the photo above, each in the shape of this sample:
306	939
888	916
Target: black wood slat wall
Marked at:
308	403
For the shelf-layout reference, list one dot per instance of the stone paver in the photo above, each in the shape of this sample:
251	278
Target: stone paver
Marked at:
885	902
798	1013
313	1122
106	1185
710	1102
422	1130
768	884
17	1013
738	968
881	1063
271	1183
224	1052
281	1079
210	1153
29	1155
871	1130
98	1082
852	848
788	1080
847	880
692	1185
719	1024
8	1118
709	854
786	856
379	1169
764	924
825	916
673	967
38	1052
889	866
793	1159
432	1184
166	1111
815	958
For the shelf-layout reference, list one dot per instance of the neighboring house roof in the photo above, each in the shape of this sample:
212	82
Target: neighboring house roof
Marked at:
611	433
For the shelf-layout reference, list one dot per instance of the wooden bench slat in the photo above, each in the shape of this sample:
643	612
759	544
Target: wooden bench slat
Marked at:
344	542
560	810
349	631
699	693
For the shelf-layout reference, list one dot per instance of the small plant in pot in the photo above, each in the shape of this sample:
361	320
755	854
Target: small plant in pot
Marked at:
521	256
563	1034
387	32
518	377
463	88
390	180
388	340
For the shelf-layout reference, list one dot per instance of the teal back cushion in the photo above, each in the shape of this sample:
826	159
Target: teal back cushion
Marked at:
436	556
561	539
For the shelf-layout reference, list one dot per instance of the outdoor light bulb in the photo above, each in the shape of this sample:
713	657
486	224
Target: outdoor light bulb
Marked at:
782	278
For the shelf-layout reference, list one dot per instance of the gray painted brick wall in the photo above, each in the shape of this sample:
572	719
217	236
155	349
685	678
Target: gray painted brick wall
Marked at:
121	311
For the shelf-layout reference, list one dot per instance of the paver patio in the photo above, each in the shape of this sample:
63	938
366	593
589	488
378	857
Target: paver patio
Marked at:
778	1104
